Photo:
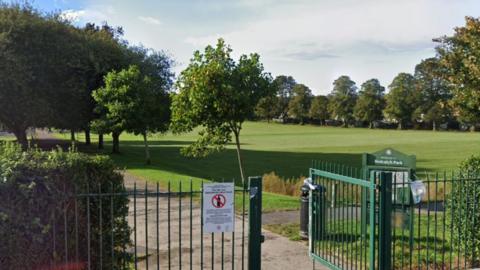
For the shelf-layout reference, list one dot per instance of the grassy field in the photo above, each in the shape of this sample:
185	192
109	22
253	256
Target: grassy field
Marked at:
289	150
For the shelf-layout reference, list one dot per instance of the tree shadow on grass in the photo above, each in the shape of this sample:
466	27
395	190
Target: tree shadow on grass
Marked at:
166	157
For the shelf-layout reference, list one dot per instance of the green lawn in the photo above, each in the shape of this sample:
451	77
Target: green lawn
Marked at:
433	244
289	150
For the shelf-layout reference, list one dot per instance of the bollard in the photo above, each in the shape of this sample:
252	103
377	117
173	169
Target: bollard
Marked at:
312	201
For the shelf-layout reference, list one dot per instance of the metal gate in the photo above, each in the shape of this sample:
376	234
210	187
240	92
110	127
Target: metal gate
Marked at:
377	224
147	227
337	237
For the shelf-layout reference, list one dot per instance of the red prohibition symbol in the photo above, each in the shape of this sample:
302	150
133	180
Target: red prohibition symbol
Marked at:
218	200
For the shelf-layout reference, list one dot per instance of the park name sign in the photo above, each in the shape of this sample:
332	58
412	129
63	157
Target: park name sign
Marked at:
218	207
389	158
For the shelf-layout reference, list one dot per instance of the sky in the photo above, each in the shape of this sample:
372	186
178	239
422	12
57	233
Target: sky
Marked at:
315	41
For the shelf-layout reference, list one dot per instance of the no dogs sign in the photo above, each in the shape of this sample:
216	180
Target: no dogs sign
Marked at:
218	207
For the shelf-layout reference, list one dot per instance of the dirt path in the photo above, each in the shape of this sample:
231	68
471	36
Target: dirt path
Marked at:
277	252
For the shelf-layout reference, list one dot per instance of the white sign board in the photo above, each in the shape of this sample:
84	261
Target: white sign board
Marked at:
218	207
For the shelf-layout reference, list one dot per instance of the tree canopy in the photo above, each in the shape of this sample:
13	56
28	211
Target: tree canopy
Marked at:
218	94
319	109
459	54
342	99
371	102
299	104
434	92
402	100
136	99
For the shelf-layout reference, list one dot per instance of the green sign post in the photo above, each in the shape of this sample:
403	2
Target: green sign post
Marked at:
401	167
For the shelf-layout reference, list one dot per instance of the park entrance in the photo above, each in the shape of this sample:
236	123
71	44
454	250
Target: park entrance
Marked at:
151	227
386	216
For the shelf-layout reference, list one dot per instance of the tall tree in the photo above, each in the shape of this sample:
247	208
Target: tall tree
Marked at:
299	105
40	63
218	94
284	88
434	91
459	55
268	107
370	103
133	103
343	98
402	100
151	78
319	109
106	52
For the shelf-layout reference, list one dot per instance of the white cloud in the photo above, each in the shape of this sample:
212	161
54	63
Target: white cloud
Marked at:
86	15
149	20
72	15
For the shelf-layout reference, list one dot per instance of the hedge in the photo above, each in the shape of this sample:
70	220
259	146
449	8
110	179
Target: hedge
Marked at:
43	221
465	210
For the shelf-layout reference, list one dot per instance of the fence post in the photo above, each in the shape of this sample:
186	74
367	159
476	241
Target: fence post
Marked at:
385	222
255	237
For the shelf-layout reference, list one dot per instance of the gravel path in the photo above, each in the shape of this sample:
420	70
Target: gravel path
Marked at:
277	252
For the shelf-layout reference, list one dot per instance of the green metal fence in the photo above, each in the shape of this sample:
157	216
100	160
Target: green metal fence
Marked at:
440	232
149	227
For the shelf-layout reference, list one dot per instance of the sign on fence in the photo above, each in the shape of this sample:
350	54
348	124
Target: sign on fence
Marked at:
218	207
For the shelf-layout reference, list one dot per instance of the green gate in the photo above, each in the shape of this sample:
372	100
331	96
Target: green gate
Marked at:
336	239
151	227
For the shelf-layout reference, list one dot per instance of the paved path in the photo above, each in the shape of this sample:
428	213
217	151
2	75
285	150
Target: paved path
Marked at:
277	252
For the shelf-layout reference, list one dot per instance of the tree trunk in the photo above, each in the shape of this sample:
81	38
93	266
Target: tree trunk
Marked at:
434	126
72	135
100	141
87	136
472	128
239	156
399	125
370	125
147	150
21	136
116	142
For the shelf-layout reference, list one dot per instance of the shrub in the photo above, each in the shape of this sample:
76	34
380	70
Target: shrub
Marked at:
39	208
465	211
276	184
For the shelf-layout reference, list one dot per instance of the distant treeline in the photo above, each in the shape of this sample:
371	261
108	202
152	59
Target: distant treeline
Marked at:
423	100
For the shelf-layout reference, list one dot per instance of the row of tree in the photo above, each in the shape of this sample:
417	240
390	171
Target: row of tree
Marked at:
442	89
56	75
425	96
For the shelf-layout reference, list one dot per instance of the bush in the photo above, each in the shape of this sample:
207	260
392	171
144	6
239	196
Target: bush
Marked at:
464	204
39	209
276	184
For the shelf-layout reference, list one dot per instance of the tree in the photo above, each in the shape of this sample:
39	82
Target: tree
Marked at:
434	91
268	107
39	55
49	69
319	109
284	88
370	103
402	100
459	55
106	52
299	105
218	94
133	103
343	97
